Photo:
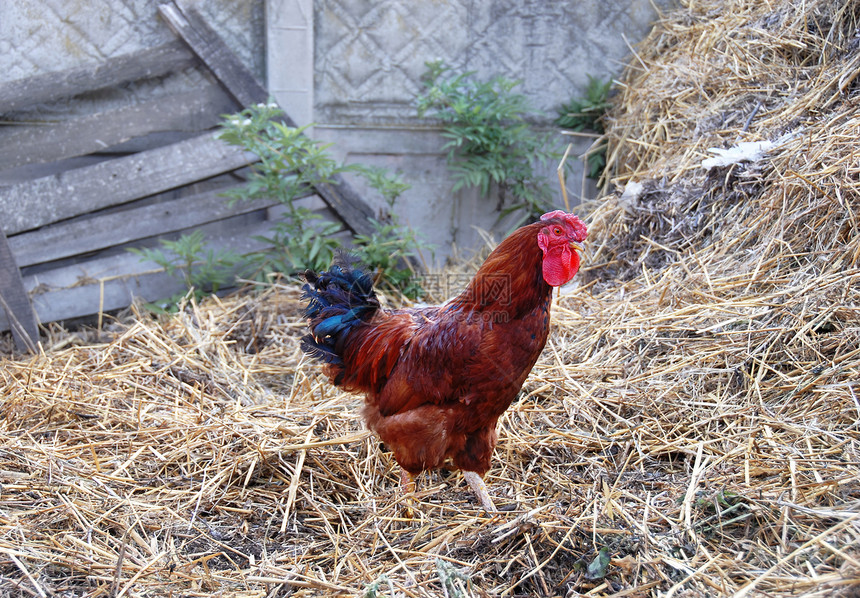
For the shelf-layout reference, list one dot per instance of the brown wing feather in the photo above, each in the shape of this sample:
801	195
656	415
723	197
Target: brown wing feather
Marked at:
459	356
434	368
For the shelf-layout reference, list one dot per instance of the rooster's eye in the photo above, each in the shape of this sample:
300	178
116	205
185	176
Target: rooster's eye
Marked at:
556	230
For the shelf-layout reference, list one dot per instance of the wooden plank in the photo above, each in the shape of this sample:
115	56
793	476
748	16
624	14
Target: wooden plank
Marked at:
152	62
15	302
29	172
345	201
50	199
184	18
106	295
196	110
113	282
187	22
101	231
149	141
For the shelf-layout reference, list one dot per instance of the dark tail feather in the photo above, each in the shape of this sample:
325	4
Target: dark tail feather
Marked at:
338	300
319	351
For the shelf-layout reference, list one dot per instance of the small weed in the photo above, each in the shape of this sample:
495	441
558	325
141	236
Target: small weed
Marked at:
454	582
202	270
373	589
291	164
597	568
387	251
303	241
724	508
586	113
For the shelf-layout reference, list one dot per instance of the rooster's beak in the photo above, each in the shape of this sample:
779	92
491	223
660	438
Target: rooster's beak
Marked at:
576	246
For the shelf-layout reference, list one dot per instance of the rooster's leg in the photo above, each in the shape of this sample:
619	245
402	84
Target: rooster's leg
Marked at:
407	486
407	482
480	488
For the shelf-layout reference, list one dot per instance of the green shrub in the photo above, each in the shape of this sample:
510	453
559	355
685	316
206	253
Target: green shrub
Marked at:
389	251
202	271
586	113
489	138
290	166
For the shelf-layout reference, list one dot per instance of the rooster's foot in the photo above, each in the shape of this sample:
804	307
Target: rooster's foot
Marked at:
480	489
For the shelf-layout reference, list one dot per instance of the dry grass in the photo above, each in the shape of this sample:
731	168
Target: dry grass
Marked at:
696	411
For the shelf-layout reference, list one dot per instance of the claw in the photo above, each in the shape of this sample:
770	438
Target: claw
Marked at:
480	489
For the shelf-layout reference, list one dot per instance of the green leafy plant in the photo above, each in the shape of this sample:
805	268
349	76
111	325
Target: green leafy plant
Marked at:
455	583
304	241
724	508
390	248
387	251
202	270
388	185
290	165
598	567
290	162
489	139
586	113
373	590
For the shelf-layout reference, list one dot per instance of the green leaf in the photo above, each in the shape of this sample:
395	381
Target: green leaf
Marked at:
597	568
585	112
315	248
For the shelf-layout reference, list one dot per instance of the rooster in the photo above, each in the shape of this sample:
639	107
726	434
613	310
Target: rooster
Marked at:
437	379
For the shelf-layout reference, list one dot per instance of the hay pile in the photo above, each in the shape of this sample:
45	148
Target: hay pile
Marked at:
696	412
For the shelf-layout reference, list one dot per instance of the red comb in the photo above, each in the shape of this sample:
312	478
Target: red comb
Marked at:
572	220
555	214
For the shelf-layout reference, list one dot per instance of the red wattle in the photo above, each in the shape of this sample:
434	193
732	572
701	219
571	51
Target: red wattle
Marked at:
560	265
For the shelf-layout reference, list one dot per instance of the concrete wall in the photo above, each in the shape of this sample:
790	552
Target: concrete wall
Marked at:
353	67
39	36
369	58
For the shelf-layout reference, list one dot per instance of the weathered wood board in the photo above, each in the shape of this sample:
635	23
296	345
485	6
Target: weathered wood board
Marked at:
145	64
187	22
14	300
77	237
111	282
192	111
83	190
